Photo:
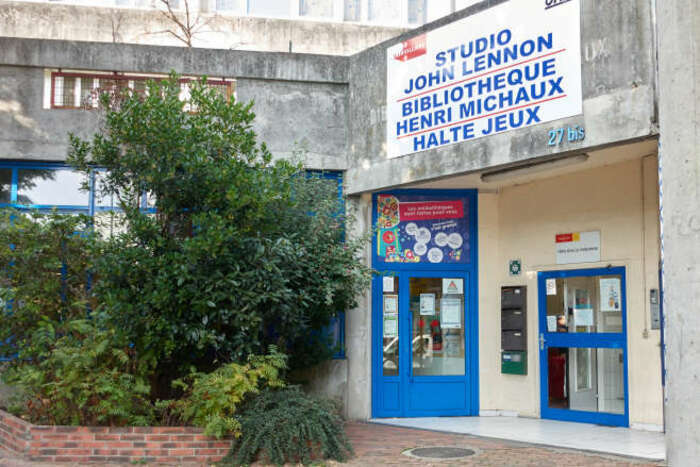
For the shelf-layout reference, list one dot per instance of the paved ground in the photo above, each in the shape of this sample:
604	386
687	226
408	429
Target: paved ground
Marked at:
384	445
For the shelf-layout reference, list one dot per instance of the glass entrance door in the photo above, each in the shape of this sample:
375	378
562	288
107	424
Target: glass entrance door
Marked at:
425	345
583	346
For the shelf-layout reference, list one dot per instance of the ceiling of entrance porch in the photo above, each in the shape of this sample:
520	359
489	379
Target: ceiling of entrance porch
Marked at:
598	158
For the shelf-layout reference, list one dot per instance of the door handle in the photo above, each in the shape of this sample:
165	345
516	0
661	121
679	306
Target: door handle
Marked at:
542	341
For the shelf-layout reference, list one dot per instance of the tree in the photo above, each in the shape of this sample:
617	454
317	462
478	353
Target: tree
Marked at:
241	252
184	27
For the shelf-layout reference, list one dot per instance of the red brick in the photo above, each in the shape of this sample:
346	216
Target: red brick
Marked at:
120	429
107	437
181	452
133	438
157	438
105	452
206	452
169	429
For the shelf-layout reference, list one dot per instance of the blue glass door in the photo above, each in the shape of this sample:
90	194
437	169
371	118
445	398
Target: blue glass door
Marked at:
583	346
425	344
437	348
424	308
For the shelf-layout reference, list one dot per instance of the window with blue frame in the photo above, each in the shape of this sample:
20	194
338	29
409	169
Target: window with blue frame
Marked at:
46	186
337	326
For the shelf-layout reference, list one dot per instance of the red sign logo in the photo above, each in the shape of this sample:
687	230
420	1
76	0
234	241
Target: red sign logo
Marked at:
427	210
412	48
564	238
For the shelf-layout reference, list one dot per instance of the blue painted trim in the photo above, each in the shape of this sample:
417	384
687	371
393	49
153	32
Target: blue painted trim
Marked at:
662	325
581	340
469	271
13	188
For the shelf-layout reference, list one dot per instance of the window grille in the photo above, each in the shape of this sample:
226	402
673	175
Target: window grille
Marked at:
83	90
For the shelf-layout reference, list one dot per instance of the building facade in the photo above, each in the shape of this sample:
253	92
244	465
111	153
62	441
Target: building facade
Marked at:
517	236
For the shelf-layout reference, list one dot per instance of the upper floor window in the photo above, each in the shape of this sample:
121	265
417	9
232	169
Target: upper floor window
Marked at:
316	8
82	90
273	8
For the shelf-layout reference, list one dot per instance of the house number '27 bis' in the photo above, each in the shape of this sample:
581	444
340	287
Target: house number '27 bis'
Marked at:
569	134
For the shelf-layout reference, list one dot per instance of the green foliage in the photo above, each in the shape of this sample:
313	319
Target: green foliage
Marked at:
242	252
85	379
44	265
211	399
286	425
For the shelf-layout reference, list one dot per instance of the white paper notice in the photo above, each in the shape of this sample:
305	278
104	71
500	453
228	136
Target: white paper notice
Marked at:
452	286
551	324
610	294
583	316
551	286
391	304
427	304
388	283
391	326
451	313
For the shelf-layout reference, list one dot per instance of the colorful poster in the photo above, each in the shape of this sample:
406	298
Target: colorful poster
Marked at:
422	229
610	294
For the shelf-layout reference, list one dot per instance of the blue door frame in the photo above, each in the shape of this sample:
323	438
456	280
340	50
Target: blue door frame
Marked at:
585	340
392	395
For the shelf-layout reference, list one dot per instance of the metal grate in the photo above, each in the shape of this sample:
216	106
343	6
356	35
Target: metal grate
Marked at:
83	90
440	453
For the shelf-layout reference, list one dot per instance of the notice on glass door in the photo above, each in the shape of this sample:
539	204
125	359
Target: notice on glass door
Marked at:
610	294
391	326
391	304
427	304
451	313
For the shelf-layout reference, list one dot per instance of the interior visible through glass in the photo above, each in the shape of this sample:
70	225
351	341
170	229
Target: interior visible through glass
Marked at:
438	340
591	304
586	379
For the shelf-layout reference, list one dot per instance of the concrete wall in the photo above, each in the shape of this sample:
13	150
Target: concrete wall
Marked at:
142	26
521	222
300	100
618	93
679	152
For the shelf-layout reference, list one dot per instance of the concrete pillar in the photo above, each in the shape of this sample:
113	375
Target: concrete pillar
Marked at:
358	328
678	28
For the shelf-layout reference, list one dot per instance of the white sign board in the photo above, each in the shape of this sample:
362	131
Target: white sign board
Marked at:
511	66
452	286
578	247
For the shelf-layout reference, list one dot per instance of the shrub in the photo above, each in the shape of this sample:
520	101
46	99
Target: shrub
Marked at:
286	425
242	251
44	265
85	379
211	399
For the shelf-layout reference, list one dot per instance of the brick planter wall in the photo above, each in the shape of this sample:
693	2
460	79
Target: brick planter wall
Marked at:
109	444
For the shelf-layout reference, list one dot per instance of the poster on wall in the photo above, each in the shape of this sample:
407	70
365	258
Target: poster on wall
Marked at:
511	66
421	229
